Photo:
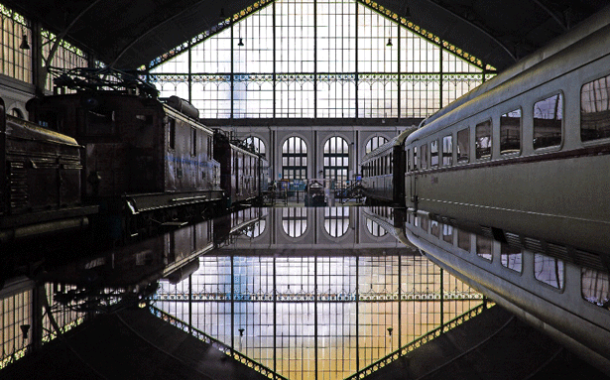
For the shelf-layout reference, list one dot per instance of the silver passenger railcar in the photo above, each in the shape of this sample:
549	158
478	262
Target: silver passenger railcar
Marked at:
527	151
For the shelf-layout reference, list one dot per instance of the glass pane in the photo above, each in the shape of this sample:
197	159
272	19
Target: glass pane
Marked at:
434	153
447	150
549	270
595	110
483	140
463	145
484	247
548	116
511	257
510	132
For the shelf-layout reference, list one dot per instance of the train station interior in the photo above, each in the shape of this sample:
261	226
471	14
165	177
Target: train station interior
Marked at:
268	286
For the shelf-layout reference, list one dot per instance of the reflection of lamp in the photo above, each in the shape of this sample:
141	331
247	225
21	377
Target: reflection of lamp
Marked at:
24	43
25	329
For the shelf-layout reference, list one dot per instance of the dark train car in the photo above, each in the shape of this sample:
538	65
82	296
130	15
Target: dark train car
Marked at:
40	181
171	255
147	163
243	173
383	171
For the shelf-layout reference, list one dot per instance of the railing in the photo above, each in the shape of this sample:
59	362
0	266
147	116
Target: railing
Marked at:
267	372
417	343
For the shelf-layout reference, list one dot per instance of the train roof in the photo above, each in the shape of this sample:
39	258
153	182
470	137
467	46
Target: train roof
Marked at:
563	54
396	141
28	129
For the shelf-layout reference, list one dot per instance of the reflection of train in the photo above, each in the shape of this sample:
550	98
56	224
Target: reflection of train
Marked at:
391	219
567	296
172	255
527	151
144	163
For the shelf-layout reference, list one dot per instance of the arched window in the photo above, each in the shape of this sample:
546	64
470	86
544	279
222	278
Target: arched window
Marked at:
294	159
257	144
374	143
294	221
336	160
336	220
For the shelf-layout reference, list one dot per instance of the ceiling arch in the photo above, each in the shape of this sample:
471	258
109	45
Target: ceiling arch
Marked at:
131	33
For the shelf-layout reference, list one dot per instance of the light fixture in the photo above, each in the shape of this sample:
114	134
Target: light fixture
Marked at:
389	42
407	13
241	40
222	13
24	43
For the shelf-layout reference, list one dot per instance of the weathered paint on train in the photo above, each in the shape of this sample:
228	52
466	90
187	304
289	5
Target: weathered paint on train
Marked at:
40	177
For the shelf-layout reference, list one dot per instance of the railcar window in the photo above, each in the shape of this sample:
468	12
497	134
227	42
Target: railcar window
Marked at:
548	117
595	287
483	140
435	228
595	110
510	132
172	134
447	150
448	233
549	270
415	158
463	240
484	247
511	257
434	153
194	145
463	145
424	156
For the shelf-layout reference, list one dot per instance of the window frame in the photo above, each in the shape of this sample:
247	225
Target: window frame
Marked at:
592	141
520	150
544	149
457	139
491	136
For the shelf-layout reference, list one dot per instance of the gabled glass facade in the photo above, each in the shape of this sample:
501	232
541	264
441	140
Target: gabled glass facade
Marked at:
318	59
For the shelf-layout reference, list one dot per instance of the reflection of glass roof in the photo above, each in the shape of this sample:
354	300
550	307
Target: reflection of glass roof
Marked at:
333	310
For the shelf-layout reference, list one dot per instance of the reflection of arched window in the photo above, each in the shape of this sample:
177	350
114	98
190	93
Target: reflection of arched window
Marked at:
256	229
336	160
336	220
257	144
294	221
294	159
374	143
374	228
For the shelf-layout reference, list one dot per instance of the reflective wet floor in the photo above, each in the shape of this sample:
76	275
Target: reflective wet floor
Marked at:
307	293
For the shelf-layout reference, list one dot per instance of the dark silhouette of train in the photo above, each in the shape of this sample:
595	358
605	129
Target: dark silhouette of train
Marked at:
105	148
